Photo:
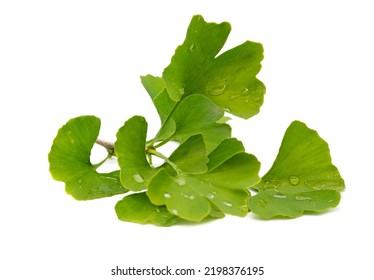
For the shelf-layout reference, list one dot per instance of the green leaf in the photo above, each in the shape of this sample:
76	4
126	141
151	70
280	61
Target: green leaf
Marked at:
271	203
229	80
302	169
137	208
155	87
304	162
69	161
225	150
191	196
136	171
191	156
196	114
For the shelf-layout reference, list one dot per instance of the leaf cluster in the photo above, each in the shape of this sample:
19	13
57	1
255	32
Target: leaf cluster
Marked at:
209	174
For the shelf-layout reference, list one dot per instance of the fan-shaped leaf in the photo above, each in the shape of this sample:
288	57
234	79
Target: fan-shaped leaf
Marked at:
69	161
302	177
229	80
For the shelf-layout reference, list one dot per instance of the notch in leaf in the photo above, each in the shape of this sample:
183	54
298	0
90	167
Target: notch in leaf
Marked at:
69	161
229	79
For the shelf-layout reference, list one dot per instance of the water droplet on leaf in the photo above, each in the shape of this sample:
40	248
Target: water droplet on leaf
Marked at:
167	195
294	180
301	198
174	212
278	195
218	91
192	47
240	94
210	195
229	204
181	91
138	178
180	181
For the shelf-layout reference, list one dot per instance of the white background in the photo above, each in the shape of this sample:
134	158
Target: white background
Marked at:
62	59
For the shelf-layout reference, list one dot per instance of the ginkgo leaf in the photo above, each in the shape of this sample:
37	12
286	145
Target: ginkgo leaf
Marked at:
271	203
156	89
190	196
209	174
191	156
137	208
302	177
153	85
229	80
225	150
197	114
69	161
304	161
136	171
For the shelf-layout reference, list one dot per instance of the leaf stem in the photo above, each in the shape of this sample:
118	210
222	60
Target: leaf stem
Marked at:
109	146
152	151
97	165
163	142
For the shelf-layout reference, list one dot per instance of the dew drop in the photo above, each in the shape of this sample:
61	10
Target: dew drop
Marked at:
242	93
181	91
180	181
229	204
294	180
192	47
158	210
301	198
278	195
191	197
210	196
218	91
167	195
138	178
174	212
